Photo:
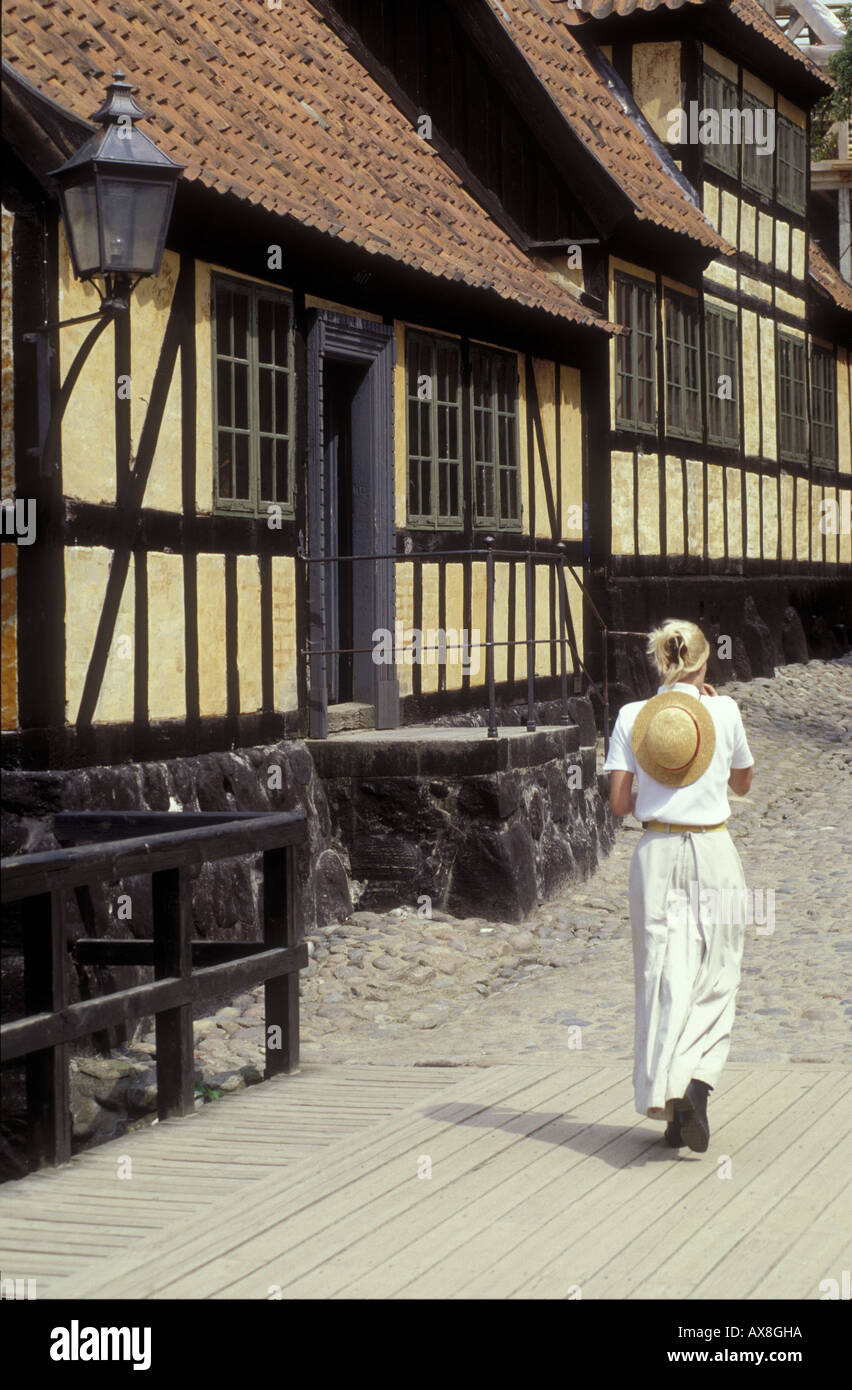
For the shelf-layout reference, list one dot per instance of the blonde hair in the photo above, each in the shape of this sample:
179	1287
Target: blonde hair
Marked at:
677	649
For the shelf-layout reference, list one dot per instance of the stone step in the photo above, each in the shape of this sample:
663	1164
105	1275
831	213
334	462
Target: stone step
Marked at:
351	715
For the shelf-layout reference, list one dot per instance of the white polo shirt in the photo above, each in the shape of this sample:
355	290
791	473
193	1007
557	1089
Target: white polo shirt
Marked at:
704	801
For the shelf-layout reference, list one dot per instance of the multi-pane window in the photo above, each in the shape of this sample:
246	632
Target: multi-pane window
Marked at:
792	402
823	407
723	425
720	95
433	386
683	374
757	166
634	353
792	163
494	401
252	408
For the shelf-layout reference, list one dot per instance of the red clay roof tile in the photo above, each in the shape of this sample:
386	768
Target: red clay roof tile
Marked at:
361	174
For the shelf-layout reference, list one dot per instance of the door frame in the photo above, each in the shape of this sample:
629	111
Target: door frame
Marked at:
364	343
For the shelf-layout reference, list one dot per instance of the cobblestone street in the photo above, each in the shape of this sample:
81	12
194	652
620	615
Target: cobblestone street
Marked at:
393	987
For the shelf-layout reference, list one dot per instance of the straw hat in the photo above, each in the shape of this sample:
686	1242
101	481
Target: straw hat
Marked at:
673	738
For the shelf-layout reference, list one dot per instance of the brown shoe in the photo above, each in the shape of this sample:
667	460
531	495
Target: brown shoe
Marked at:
673	1135
692	1116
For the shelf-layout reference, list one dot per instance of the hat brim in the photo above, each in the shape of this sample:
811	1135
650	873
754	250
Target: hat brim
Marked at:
682	777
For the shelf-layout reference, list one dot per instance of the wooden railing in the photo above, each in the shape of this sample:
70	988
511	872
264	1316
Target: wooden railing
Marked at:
186	972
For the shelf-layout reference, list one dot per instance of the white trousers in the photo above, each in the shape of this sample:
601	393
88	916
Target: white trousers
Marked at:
687	895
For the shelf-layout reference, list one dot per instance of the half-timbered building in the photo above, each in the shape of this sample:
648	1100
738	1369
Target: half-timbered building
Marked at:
440	281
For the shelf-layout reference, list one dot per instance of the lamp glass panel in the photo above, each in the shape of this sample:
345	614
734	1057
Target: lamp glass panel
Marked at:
133	217
81	226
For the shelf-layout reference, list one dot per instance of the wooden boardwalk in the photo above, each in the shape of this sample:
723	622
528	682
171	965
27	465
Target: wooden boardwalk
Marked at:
515	1180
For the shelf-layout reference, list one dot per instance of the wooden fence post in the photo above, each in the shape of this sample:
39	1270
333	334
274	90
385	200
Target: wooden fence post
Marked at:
173	957
46	991
281	928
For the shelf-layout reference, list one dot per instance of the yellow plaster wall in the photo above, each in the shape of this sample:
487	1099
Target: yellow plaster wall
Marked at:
797	253
717	273
695	506
789	303
751	382
405	616
769	443
455	618
88	427
770	517
756	288
656	82
793	113
734	511
758	88
166	637
284	647
729	217
782	245
429	607
649	504
86	573
501	619
714	59
752	493
802	525
212	673
477	621
249	644
622	503
710	203
151	304
571	423
748	228
828	535
675	544
205	451
715	512
818	539
520	620
545	381
787	516
764	237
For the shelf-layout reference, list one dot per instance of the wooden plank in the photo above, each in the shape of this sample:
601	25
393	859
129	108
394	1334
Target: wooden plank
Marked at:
46	989
61	870
79	1020
645	1251
391	1158
384	1222
347	1159
99	951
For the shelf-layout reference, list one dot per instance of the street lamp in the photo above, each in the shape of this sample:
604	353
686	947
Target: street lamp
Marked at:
116	196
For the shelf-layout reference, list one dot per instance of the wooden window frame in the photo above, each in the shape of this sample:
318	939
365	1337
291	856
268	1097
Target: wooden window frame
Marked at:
820	393
716	363
716	90
434	520
253	505
786	192
674	300
632	344
497	522
785	384
764	163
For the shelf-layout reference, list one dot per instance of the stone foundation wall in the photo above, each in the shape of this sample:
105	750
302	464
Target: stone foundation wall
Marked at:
771	621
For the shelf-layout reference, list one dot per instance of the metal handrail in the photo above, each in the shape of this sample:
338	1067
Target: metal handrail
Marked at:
529	557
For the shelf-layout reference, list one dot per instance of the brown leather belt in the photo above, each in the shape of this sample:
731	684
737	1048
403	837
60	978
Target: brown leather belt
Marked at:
674	829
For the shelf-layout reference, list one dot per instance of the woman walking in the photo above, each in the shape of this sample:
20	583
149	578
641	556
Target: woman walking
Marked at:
685	746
